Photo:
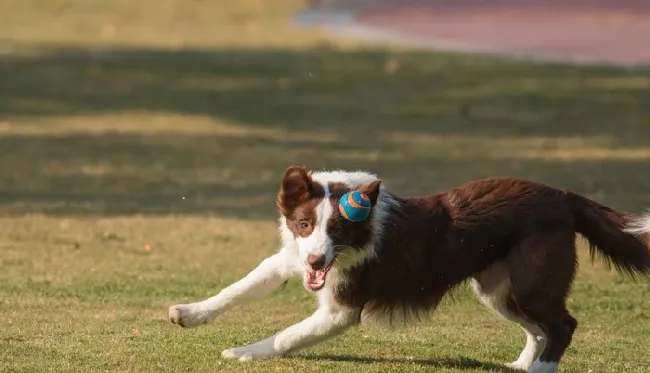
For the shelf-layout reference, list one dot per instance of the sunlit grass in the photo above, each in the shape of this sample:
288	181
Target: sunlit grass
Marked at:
141	145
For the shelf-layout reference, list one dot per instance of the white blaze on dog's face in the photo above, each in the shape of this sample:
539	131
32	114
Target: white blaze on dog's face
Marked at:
316	250
320	232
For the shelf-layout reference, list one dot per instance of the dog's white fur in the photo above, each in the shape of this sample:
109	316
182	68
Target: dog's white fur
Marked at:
640	226
330	318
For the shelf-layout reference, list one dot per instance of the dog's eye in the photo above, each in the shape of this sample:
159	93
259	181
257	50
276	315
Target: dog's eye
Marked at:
304	224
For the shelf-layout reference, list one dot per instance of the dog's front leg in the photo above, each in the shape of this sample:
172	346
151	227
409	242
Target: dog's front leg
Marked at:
324	323
269	275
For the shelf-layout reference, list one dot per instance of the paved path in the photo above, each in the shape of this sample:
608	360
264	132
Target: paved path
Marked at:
585	31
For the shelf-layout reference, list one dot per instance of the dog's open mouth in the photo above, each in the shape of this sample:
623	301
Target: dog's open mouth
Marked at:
315	280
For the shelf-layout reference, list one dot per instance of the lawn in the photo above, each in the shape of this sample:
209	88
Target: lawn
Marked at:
141	146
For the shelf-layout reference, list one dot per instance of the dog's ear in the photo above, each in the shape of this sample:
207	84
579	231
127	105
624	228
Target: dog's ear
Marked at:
371	190
295	189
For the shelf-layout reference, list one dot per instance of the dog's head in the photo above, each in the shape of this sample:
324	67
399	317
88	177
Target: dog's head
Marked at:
308	204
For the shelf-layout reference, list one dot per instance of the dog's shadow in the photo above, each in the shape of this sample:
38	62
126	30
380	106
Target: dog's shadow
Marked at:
460	363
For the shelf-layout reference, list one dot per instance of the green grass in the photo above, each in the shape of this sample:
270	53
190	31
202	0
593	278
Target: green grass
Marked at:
141	144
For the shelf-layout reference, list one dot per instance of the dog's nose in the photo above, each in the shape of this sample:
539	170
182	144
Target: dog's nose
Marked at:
316	261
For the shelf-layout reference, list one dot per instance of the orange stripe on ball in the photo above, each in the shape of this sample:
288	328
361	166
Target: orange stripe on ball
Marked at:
354	204
342	211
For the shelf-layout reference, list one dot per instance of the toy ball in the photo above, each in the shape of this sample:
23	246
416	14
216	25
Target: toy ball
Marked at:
355	206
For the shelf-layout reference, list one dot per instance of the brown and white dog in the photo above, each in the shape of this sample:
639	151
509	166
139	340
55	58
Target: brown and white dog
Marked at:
513	239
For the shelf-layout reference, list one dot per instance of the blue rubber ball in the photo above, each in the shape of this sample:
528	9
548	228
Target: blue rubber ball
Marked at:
355	206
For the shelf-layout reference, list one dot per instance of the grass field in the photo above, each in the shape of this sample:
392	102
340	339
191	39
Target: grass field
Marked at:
141	145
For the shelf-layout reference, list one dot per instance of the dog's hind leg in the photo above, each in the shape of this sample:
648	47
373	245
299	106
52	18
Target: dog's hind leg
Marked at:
542	268
493	289
269	275
321	325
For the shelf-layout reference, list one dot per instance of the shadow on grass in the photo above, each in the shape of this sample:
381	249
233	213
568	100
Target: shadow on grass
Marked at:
462	363
312	89
422	121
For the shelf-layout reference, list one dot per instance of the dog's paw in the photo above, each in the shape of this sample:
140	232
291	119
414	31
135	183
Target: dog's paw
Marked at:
518	365
543	367
257	351
188	315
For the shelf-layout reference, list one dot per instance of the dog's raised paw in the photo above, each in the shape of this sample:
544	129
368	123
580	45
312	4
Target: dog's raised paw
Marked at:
187	315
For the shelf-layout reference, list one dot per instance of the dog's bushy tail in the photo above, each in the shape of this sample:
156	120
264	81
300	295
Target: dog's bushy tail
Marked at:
618	238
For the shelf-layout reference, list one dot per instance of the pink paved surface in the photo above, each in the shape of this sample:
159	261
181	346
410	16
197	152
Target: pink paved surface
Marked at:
614	31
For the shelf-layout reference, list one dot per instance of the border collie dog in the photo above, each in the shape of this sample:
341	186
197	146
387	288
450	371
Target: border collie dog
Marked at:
512	239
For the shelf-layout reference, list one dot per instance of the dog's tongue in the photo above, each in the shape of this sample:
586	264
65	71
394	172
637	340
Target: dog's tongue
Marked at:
315	279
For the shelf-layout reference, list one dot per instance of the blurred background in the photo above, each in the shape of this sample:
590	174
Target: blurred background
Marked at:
196	107
142	143
582	31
